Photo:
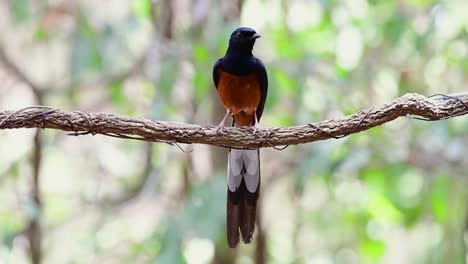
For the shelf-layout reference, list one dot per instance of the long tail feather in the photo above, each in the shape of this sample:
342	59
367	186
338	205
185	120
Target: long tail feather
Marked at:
242	194
232	225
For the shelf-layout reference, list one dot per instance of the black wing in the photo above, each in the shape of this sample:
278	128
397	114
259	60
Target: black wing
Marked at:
262	74
216	68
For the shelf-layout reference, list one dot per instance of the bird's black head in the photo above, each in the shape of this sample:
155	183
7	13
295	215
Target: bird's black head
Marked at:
242	40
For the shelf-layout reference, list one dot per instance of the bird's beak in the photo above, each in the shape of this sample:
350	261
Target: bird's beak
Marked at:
255	36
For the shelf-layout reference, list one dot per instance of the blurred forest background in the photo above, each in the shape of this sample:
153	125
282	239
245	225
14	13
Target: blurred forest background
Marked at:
393	194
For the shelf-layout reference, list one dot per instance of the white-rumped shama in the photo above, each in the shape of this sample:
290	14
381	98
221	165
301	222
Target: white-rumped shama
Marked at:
242	84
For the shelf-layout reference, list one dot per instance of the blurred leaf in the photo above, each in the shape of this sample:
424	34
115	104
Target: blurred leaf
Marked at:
379	203
10	222
72	94
85	53
41	34
168	75
141	8
372	249
150	248
381	207
10	225
200	53
285	82
201	80
203	213
85	27
441	187
119	99
284	119
420	2
341	72
205	208
321	37
14	171
284	43
20	10
116	92
201	83
56	209
375	178
394	28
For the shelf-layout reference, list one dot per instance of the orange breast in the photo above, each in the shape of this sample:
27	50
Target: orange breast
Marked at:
241	95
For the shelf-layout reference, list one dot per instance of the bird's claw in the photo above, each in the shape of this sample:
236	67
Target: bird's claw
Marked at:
255	129
220	128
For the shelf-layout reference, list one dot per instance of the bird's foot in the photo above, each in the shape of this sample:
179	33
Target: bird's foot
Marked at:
220	127
255	128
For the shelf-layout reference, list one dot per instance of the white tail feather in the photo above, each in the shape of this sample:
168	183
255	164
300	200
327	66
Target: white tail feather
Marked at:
239	159
235	166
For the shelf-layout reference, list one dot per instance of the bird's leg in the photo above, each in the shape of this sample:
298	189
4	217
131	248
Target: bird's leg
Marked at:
221	125
256	126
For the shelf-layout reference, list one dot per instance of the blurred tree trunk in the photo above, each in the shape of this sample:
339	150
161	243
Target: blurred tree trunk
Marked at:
33	230
260	252
232	10
163	18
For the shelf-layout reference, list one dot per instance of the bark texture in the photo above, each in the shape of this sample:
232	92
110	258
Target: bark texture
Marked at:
80	123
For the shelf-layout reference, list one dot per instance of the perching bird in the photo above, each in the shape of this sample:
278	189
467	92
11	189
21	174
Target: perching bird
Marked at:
241	81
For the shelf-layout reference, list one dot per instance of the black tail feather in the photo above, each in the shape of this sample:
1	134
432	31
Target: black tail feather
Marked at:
241	213
232	225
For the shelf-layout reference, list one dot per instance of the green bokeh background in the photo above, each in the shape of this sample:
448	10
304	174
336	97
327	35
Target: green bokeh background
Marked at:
392	194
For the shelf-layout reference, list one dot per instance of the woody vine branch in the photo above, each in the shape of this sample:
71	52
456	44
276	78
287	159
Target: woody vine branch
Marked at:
79	123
